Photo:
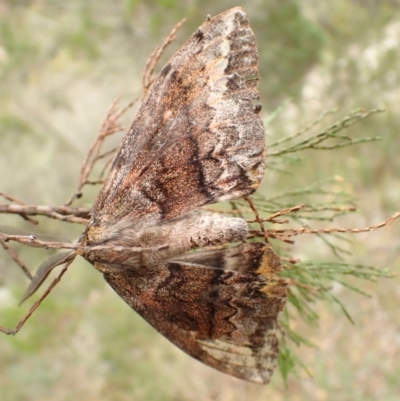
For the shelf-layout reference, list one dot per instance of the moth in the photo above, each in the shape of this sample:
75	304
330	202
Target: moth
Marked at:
197	139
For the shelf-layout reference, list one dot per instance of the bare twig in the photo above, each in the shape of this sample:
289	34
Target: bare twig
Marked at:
11	198
147	77
16	259
272	218
258	219
63	213
305	230
36	304
110	126
19	202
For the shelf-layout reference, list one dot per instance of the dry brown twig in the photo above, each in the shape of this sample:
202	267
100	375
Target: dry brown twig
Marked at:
272	218
63	213
306	230
257	217
110	126
36	304
147	76
19	203
14	256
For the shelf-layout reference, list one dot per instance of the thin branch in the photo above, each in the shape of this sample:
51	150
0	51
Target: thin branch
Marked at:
110	126
11	198
63	213
36	304
258	220
13	255
272	218
305	230
147	77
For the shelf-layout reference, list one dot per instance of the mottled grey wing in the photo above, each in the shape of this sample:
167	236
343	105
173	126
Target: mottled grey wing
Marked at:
219	306
198	137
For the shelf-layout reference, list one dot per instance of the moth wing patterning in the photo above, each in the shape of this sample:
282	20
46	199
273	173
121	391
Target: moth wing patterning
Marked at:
219	306
197	138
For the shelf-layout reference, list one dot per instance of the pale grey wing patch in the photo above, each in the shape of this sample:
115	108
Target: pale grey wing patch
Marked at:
256	367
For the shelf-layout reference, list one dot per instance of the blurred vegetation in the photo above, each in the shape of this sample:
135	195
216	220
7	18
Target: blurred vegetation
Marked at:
61	66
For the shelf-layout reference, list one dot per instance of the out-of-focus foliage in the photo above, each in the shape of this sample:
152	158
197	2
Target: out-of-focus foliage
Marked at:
62	63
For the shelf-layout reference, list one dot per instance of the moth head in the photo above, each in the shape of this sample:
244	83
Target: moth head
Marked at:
92	236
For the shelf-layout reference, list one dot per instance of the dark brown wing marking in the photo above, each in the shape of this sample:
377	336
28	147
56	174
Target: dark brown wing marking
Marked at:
219	306
197	138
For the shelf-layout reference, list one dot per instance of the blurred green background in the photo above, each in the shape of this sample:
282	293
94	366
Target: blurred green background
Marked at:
62	63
